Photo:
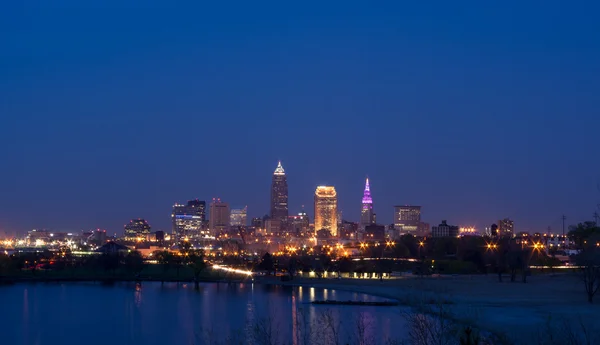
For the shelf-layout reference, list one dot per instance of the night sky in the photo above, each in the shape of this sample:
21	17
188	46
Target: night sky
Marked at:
476	110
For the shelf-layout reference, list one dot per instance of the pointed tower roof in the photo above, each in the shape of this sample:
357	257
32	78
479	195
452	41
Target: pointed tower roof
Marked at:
279	170
367	194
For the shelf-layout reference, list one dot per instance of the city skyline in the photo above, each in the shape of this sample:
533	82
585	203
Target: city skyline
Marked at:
475	112
366	200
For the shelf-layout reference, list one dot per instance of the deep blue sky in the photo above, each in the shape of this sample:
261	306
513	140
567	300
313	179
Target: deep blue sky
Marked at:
476	110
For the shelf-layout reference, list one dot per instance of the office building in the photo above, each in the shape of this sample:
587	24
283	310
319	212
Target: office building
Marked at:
326	213
97	237
445	230
348	230
218	217
257	222
238	217
367	217
137	230
279	196
407	219
423	229
273	227
159	236
506	227
374	232
298	225
188	221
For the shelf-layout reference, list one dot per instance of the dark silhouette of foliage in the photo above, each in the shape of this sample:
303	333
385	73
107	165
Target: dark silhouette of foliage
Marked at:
411	243
134	262
110	262
344	265
198	265
267	264
292	267
582	232
469	337
5	264
589	261
444	247
165	258
400	250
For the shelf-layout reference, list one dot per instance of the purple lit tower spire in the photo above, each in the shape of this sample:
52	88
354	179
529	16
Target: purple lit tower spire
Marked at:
366	200
366	214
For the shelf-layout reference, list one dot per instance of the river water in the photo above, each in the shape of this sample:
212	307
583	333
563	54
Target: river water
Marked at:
177	313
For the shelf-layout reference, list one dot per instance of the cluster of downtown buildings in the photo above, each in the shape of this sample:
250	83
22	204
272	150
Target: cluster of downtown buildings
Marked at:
210	226
196	220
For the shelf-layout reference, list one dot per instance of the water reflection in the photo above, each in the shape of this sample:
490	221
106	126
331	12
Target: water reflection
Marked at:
25	312
178	313
294	320
138	294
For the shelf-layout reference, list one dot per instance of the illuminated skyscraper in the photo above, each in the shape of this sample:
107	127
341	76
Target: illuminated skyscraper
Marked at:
326	209
137	229
279	196
239	217
188	220
366	213
219	217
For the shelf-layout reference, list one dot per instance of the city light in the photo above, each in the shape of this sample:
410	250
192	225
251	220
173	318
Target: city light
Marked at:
467	230
232	270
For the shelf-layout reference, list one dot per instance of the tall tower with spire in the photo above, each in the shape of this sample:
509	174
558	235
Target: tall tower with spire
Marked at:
279	196
366	213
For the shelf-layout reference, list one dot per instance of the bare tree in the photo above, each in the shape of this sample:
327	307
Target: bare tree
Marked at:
589	261
212	337
266	332
434	328
331	327
363	324
305	328
567	333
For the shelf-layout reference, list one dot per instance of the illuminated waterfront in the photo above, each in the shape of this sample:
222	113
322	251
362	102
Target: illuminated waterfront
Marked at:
155	313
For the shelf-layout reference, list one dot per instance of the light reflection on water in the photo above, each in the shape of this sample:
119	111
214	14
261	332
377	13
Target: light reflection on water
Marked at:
158	313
